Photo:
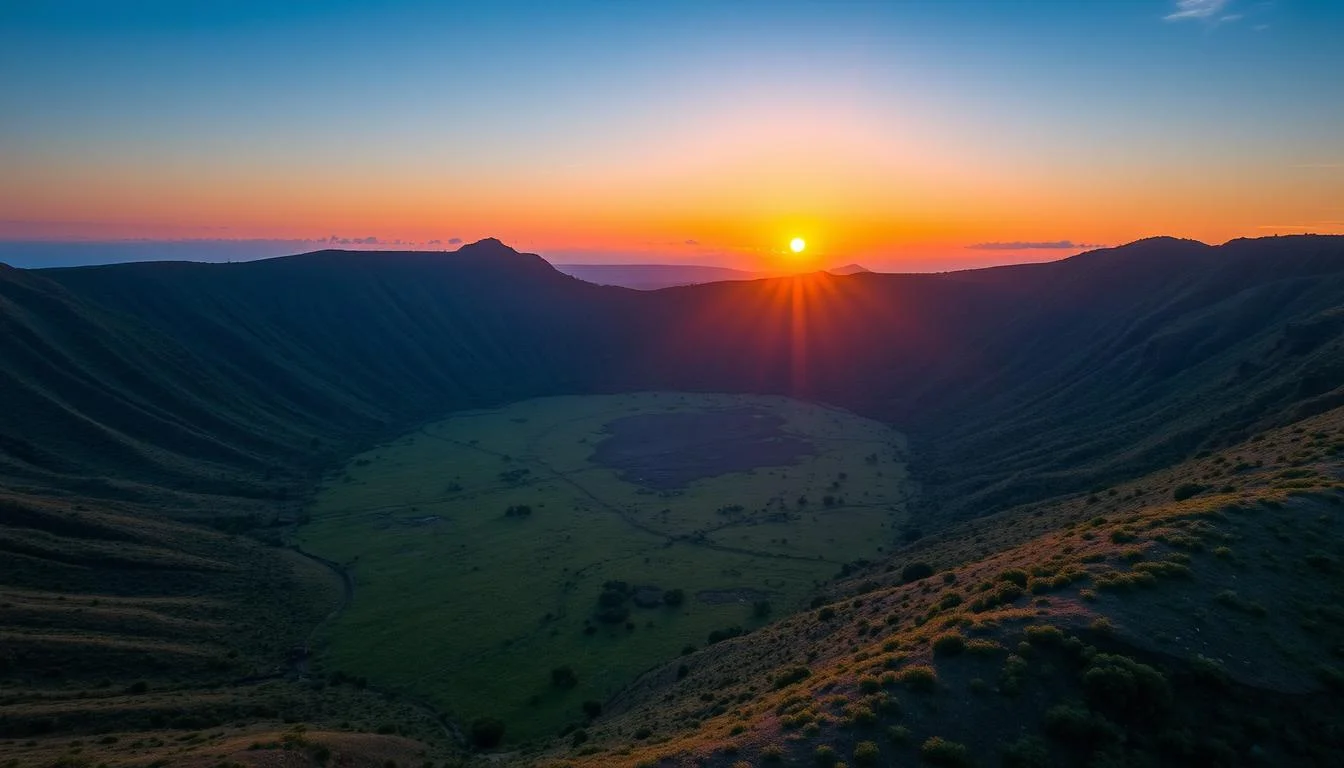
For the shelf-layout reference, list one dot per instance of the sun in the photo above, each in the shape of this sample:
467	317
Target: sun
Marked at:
797	244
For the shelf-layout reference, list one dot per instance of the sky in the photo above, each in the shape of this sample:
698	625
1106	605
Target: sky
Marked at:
899	134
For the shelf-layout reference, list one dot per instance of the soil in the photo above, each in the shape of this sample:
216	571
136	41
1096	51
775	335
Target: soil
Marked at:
668	451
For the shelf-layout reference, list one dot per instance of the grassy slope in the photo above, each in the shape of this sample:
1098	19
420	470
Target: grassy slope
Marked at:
1229	599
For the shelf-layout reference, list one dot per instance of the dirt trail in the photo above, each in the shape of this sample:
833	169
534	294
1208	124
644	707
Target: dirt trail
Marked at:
298	665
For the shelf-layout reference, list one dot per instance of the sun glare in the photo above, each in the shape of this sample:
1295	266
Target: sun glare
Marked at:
797	244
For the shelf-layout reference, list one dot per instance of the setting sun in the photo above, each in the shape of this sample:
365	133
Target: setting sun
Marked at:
797	244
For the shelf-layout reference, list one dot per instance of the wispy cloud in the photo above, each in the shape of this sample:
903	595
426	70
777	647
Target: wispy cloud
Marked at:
1319	165
1202	10
1020	245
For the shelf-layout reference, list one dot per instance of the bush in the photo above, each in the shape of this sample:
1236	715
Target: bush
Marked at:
916	571
919	678
487	732
980	647
1126	689
1027	752
1044	634
1077	727
825	756
591	709
949	644
866	753
941	752
674	597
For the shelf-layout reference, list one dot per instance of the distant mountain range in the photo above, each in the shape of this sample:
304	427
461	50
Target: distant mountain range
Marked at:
649	277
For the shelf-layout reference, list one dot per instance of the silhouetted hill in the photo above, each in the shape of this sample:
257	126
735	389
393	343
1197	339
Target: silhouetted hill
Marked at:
849	269
139	368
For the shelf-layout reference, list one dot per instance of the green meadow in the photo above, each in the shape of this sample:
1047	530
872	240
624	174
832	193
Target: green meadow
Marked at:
480	545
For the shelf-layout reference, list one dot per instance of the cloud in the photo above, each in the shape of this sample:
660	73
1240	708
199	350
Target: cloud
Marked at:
435	242
1019	245
1319	165
1201	10
691	242
454	241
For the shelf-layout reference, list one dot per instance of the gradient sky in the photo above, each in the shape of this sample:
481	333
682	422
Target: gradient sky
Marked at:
896	134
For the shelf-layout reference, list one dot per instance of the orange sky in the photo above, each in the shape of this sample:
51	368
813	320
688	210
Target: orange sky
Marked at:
897	137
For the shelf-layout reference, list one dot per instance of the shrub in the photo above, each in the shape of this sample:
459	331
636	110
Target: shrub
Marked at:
947	754
1208	672
980	647
866	753
1010	677
1027	752
949	644
772	753
1015	575
1044	634
826	614
919	678
1126	689
825	756
674	597
487	732
592	709
916	571
1077	727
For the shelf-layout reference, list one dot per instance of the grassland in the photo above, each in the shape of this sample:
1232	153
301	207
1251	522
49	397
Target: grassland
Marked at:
1187	617
472	608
